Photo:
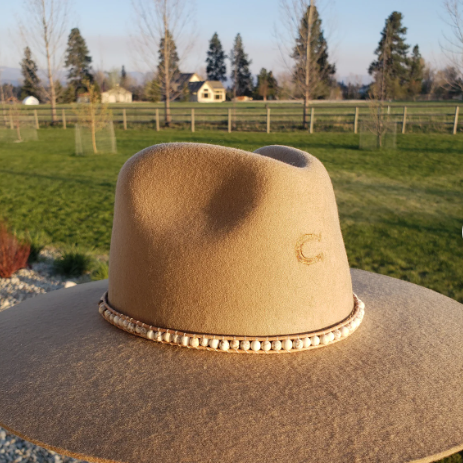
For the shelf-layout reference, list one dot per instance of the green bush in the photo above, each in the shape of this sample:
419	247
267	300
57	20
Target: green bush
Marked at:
74	262
101	271
37	241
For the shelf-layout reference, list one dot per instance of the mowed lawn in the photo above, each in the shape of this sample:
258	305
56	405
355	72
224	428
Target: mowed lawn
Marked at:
401	211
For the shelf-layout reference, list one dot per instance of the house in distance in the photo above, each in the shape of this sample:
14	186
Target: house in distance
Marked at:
202	91
116	95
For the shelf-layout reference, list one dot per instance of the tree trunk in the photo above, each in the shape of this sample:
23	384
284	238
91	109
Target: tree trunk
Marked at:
307	65
168	118
50	79
93	128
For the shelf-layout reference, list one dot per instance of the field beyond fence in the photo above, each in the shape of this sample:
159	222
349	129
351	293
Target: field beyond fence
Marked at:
425	117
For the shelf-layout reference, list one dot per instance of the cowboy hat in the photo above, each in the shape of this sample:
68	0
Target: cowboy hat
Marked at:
220	258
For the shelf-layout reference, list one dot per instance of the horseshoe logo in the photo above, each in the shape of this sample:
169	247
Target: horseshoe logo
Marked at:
308	238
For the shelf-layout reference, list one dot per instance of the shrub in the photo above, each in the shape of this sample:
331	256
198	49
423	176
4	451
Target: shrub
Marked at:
13	252
37	241
101	271
74	262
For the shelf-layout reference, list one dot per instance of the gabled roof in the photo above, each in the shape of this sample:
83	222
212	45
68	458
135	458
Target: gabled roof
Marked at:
195	87
215	84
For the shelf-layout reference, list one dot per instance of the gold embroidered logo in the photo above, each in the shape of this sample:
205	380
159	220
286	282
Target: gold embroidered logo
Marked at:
303	249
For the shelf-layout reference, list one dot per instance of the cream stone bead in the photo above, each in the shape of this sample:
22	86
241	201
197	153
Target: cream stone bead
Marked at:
287	344
116	320
235	344
166	336
337	334
176	339
131	327
325	339
307	342
106	314
138	329
194	342
214	343
298	344
255	345
224	345
361	304
184	340
276	345
330	336
101	309
266	346
125	324
315	340
204	342
344	331
150	334
245	345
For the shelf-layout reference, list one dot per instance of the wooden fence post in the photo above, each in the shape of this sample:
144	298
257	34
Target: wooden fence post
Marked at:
124	118
192	119
455	122
64	118
389	109
11	121
312	117
157	120
356	120
268	119
229	120
36	119
404	122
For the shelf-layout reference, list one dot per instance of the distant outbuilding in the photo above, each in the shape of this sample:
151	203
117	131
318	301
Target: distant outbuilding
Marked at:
30	100
116	95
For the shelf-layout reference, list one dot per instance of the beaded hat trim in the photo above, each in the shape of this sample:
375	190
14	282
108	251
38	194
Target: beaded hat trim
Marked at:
237	344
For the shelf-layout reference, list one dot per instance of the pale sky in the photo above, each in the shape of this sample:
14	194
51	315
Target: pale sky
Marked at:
353	28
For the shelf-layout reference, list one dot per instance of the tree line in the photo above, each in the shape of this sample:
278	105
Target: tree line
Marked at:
397	72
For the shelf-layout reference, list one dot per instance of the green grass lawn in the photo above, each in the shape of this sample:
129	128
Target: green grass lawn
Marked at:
401	211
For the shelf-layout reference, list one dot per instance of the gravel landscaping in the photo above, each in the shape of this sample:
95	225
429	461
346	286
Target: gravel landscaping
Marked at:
22	285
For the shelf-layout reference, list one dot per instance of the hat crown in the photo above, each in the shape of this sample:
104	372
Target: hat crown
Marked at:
217	240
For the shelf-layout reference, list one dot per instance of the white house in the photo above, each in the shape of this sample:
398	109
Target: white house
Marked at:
202	91
116	95
30	100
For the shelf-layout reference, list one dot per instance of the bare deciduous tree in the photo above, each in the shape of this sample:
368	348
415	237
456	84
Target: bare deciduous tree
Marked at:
161	26
44	32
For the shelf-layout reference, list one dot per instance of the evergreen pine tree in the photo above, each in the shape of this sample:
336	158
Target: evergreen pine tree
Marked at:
215	60
266	87
391	65
78	61
321	71
240	75
31	84
416	72
123	77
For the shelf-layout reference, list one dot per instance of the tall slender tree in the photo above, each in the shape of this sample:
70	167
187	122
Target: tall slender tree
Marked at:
78	61
313	73
31	81
416	72
123	77
241	75
391	65
43	30
168	70
216	69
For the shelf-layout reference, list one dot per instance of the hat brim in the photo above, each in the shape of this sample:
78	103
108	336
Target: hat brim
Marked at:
391	392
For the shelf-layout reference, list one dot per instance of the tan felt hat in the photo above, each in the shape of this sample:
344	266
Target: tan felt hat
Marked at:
218	255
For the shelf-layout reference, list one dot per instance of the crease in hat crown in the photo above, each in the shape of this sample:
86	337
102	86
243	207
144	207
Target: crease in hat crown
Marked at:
214	243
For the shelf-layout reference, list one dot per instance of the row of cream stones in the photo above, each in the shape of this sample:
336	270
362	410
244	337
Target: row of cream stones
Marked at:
235	344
